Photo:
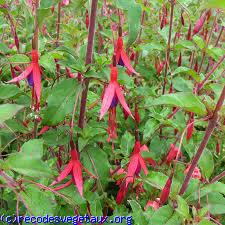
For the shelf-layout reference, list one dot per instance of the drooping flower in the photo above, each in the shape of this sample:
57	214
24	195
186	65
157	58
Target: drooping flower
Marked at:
166	190
196	66
33	75
182	19
87	20
43	130
196	173
44	29
121	193
190	126
179	62
136	163
13	73
159	66
65	2
189	33
217	147
173	153
121	57
74	167
199	24
153	204
112	96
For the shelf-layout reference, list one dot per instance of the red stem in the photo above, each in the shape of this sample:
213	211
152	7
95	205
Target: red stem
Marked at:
218	177
211	126
200	86
91	34
168	45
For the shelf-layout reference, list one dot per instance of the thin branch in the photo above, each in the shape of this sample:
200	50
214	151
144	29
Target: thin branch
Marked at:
211	126
172	3
218	177
91	34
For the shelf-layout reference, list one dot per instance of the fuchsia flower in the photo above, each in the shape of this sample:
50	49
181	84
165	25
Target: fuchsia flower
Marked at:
121	57
74	167
33	75
87	20
172	154
43	130
136	163
153	204
159	66
217	147
112	96
179	62
166	190
65	2
199	24
134	167
189	33
190	126
196	173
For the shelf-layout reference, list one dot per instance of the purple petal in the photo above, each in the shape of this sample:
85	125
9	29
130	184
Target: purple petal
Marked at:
121	63
114	102
30	79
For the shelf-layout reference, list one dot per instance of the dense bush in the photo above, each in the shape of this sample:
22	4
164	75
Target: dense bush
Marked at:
113	108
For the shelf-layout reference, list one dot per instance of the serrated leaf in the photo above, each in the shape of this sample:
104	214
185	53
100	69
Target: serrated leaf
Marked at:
185	100
137	213
7	111
183	208
19	58
206	163
127	143
188	71
61	101
8	91
47	61
134	20
150	127
41	203
199	42
96	161
161	216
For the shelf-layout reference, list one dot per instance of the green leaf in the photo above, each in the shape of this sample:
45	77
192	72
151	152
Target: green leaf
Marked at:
199	42
206	163
185	100
215	4
183	208
137	213
4	48
47	61
161	216
174	220
127	143
206	222
150	127
28	160
26	165
96	161
41	203
134	18
123	4
8	91
43	14
61	101
34	148
19	58
188	71
215	202
7	111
